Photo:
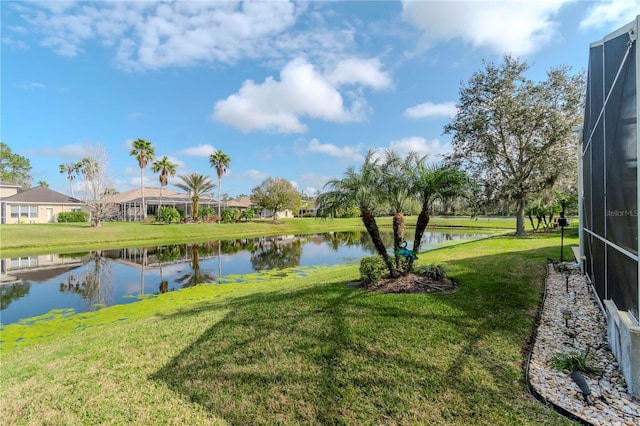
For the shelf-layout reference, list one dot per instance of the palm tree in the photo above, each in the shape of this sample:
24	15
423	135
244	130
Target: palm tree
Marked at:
358	189
143	151
394	187
166	169
88	168
220	161
431	182
71	169
195	184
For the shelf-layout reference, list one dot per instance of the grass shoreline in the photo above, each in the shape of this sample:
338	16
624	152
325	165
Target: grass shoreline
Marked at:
27	239
304	348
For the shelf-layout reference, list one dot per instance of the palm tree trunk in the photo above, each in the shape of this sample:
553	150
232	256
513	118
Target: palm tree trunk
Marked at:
144	208
71	188
219	184
398	235
160	202
194	210
421	225
369	222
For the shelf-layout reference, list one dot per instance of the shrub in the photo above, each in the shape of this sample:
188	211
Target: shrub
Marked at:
77	216
433	271
230	215
247	214
206	213
168	214
372	268
574	361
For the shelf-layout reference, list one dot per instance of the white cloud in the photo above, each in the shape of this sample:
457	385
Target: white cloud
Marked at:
420	145
202	150
429	110
33	85
277	106
134	115
346	152
251	174
517	27
74	151
152	35
312	181
366	72
310	191
613	14
16	44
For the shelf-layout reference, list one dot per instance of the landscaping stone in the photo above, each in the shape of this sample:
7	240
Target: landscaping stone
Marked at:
586	333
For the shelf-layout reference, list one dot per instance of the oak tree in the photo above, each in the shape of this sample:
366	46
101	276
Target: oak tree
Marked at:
514	134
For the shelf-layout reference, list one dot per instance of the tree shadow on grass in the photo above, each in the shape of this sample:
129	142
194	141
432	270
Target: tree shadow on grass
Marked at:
331	354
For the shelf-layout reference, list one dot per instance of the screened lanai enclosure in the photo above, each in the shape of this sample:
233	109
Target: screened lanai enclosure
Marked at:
609	191
129	204
131	210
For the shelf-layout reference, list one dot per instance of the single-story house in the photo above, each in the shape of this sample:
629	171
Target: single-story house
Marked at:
130	203
34	205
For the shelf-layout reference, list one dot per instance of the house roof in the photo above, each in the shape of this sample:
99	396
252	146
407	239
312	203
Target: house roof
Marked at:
152	195
149	192
240	202
41	195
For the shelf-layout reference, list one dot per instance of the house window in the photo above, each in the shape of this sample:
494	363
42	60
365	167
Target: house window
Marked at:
23	262
25	211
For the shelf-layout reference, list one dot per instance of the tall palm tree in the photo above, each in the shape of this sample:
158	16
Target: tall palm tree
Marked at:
143	151
166	168
358	189
71	169
196	185
431	182
88	168
221	162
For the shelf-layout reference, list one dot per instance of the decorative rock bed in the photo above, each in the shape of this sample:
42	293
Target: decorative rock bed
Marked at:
584	332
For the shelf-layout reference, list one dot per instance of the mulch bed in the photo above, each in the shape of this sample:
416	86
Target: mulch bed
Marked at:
410	283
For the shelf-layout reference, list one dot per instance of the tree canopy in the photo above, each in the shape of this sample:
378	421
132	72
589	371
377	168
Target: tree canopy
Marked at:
513	134
14	168
196	185
388	183
275	195
165	168
71	169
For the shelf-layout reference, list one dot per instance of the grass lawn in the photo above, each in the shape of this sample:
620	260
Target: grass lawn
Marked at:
30	239
304	348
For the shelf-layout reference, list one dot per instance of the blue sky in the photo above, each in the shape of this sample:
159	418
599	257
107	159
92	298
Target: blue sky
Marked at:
299	90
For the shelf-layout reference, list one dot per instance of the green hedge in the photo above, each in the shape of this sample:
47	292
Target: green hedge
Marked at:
78	216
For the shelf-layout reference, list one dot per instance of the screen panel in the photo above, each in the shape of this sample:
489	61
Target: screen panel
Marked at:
621	271
620	145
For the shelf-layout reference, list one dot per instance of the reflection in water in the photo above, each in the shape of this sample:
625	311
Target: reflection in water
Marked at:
11	292
274	254
95	286
196	275
84	281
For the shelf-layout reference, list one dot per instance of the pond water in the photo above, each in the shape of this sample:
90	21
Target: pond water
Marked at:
34	285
